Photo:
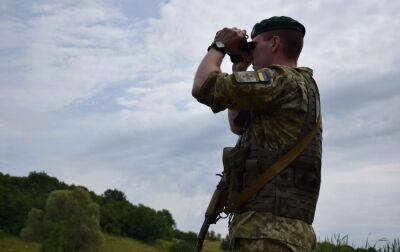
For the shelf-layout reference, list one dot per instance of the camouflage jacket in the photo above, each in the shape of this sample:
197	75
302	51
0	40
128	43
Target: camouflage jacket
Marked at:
277	102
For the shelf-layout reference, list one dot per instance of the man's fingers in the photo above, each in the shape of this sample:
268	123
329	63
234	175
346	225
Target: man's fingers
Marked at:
242	33
231	37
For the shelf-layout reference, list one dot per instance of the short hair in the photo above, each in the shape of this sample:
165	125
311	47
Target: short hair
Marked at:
292	41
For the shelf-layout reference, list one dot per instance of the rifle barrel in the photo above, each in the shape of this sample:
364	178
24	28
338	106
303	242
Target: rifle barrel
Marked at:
203	232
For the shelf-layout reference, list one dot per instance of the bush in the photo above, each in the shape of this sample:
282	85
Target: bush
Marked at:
120	217
190	237
18	195
145	224
34	231
70	222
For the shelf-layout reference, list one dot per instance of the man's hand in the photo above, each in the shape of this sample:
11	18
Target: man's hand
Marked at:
231	37
234	40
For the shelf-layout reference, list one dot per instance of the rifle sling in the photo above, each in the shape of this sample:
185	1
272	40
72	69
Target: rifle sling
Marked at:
277	167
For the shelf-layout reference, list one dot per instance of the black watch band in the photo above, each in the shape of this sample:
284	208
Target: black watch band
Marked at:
220	48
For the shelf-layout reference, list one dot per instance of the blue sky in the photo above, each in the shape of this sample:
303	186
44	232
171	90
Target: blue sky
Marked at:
98	93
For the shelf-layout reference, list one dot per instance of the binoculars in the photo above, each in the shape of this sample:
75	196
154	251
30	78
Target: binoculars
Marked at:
244	46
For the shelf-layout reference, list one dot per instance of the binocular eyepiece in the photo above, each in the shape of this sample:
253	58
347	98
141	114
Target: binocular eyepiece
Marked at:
244	46
248	46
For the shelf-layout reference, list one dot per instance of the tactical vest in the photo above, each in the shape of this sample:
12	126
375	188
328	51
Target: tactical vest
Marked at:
293	193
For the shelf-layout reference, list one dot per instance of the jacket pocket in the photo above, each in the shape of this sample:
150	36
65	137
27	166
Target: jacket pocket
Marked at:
234	160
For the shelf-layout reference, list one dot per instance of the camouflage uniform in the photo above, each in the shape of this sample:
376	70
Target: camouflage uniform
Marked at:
263	231
278	107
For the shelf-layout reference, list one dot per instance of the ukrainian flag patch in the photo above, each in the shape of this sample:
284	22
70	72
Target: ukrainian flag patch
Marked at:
263	75
252	76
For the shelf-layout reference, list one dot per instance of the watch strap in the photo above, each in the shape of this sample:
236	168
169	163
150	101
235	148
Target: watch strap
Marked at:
214	45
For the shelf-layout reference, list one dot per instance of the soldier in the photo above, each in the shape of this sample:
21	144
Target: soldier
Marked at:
282	105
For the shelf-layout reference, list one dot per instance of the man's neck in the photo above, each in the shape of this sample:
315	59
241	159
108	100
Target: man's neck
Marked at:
281	62
284	62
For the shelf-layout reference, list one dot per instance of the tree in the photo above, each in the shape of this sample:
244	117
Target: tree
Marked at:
144	224
18	195
115	216
167	217
115	194
225	242
167	222
34	226
70	222
212	236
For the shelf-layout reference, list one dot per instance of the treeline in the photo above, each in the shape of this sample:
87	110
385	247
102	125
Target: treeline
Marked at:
18	195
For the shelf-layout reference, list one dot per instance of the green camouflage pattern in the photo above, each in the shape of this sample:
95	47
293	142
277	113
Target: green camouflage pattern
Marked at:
244	76
278	108
263	225
262	245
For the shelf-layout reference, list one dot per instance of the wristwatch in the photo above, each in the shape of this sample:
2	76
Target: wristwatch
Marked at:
219	46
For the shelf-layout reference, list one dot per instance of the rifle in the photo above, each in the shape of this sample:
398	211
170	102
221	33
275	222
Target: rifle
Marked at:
219	197
214	209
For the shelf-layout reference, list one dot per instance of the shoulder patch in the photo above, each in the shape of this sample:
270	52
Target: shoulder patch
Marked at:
263	75
252	76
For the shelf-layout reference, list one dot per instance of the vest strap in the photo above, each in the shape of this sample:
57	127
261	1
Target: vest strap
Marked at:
276	168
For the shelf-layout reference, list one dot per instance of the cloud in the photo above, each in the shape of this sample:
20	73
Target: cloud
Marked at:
99	94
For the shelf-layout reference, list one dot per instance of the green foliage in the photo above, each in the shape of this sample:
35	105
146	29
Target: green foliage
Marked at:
189	237
114	216
168	223
34	230
391	246
140	222
185	241
19	194
147	224
225	243
3	234
212	236
114	194
339	243
70	222
12	243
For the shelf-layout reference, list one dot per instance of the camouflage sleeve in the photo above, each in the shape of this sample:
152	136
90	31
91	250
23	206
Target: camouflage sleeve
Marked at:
222	91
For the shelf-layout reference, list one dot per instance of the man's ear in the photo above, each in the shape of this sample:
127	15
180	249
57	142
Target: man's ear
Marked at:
276	41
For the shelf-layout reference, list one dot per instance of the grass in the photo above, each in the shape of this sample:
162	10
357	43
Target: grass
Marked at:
212	246
110	243
340	243
113	243
10	243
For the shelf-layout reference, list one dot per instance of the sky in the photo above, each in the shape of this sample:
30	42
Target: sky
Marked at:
98	93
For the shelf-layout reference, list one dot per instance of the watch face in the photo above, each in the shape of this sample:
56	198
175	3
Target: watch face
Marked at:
219	44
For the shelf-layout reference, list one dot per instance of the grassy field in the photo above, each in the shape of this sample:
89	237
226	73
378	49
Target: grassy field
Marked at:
113	243
14	244
110	243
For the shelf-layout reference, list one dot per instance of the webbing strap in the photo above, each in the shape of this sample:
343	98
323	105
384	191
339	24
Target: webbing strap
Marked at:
276	168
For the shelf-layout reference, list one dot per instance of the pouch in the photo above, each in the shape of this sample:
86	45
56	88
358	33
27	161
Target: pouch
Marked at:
234	160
